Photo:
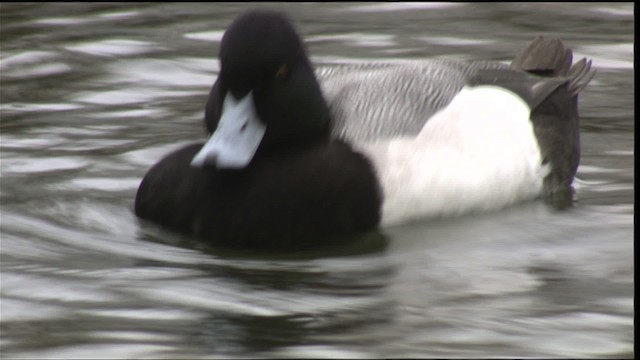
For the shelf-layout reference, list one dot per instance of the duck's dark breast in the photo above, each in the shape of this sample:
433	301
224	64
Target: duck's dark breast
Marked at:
292	200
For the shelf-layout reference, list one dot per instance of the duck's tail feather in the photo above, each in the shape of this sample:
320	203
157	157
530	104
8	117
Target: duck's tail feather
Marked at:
544	57
555	118
580	75
548	57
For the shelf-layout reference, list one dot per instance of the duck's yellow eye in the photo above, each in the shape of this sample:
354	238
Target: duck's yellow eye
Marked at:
282	72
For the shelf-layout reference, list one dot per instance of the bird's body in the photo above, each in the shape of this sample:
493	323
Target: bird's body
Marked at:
298	158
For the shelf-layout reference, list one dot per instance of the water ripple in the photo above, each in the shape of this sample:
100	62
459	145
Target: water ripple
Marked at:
94	94
113	47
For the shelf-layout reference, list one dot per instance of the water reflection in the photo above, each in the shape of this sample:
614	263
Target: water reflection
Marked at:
199	305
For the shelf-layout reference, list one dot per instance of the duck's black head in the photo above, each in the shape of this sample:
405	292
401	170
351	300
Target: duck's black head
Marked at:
266	96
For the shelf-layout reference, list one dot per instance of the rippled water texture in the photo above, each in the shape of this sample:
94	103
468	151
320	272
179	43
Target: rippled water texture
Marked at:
93	94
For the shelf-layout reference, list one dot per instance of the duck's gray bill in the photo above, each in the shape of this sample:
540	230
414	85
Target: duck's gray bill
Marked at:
237	137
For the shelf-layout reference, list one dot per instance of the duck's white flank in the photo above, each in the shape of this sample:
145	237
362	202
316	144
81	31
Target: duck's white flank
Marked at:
478	153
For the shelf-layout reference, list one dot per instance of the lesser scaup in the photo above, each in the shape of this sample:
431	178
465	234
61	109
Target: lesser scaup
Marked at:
292	163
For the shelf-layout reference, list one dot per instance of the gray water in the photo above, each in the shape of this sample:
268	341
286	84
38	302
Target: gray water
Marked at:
93	94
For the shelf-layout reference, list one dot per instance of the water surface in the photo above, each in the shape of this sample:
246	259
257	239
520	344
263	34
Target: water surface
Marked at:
93	94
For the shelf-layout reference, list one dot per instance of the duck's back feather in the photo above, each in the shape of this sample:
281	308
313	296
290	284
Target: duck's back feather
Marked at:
381	100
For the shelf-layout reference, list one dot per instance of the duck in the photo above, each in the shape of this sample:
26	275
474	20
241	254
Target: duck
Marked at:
299	157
